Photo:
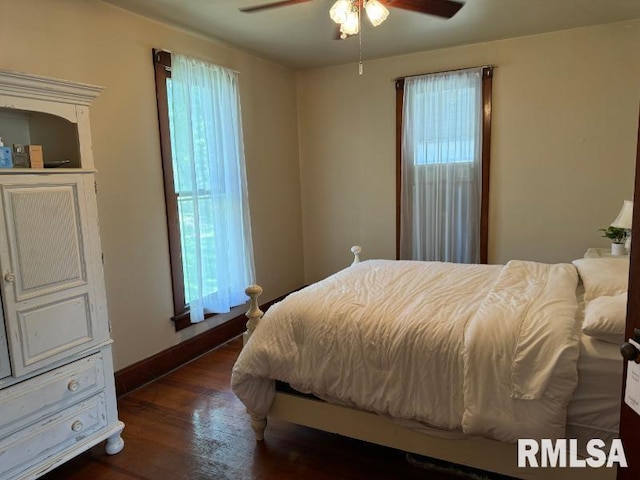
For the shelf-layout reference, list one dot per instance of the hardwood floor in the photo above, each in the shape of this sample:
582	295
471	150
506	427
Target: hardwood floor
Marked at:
189	425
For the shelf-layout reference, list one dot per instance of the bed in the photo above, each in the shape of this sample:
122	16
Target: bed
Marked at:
382	360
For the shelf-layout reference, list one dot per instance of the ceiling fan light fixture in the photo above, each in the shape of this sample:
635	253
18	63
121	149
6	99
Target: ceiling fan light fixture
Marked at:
340	10
351	26
376	12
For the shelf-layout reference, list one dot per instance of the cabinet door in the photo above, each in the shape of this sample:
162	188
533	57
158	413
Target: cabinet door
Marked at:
49	252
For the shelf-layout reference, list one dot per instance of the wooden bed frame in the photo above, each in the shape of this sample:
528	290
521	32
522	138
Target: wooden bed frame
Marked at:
475	452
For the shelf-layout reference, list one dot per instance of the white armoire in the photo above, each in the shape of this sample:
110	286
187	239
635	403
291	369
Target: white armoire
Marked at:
57	392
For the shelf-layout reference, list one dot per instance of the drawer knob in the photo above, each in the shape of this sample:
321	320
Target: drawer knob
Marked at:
9	277
76	426
73	385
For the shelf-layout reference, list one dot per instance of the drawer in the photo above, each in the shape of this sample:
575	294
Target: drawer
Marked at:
37	442
40	396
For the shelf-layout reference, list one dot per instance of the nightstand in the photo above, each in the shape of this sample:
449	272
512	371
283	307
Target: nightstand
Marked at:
602	253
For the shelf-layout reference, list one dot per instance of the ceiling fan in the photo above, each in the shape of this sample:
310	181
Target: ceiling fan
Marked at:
440	8
346	12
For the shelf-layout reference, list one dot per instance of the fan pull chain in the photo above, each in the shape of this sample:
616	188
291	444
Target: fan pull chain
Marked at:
360	65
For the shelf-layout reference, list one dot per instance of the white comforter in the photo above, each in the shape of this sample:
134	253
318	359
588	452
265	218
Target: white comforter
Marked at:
489	350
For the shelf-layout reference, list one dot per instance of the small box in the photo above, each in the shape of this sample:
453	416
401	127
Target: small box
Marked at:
5	157
36	158
20	157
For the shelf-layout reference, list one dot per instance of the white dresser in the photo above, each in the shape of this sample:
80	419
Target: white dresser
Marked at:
57	392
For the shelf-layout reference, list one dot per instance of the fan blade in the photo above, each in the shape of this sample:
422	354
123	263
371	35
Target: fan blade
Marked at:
282	3
440	8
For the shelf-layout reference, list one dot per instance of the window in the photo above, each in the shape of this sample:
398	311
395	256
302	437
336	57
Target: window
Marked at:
443	139
205	186
446	136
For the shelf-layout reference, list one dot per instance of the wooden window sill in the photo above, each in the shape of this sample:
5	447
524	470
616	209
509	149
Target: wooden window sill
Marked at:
183	320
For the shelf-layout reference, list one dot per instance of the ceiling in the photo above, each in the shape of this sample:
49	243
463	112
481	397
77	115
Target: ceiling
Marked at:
302	36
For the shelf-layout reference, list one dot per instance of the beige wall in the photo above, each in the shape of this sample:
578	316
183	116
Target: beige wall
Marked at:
92	42
565	118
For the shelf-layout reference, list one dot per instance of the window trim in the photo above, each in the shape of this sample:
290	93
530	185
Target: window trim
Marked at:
487	76
181	315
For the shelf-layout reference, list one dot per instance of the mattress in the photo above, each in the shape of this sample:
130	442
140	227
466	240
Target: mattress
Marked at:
594	410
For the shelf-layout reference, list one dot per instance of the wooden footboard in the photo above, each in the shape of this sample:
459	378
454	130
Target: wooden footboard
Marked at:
254	314
480	453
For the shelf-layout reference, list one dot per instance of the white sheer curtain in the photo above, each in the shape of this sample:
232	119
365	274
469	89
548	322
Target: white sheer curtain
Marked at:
442	167
210	181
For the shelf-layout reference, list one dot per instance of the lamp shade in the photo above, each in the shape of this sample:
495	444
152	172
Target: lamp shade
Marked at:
339	11
624	218
351	25
376	12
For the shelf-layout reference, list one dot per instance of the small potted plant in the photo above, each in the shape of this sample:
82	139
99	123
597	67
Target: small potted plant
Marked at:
617	237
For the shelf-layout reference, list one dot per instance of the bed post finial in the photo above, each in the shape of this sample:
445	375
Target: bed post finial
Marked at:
254	314
356	250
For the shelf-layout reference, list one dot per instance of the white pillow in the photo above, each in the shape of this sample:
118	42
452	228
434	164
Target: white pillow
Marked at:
605	318
603	276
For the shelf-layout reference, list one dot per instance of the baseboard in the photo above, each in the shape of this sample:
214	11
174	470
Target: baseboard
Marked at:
149	369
